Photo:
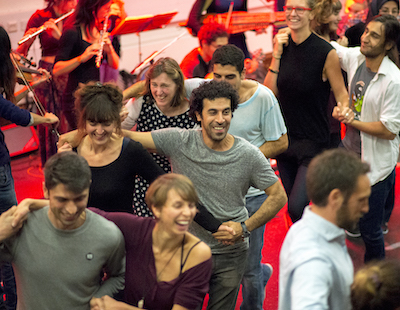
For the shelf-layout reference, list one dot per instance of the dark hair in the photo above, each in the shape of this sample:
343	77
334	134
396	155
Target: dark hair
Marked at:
54	2
157	193
229	55
333	169
171	68
69	169
211	91
86	10
211	32
99	103
377	286
391	30
7	70
375	6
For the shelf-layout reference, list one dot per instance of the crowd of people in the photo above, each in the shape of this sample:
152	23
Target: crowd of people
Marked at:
158	202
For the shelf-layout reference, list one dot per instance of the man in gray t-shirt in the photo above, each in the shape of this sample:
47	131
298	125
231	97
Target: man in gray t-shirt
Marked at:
222	168
61	251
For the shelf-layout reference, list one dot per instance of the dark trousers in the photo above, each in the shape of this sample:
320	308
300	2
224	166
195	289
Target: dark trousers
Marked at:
370	223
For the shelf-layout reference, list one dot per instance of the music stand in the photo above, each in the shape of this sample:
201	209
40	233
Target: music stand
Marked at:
143	23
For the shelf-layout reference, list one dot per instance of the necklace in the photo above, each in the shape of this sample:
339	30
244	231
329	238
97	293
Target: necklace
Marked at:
141	301
165	266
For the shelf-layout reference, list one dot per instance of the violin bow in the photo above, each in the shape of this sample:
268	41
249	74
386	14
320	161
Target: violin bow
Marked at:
39	106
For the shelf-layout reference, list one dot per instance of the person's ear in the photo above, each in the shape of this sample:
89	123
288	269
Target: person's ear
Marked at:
156	211
198	116
45	191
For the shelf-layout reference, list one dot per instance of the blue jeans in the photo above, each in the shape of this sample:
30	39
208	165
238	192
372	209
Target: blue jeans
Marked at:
7	200
253	286
370	223
225	280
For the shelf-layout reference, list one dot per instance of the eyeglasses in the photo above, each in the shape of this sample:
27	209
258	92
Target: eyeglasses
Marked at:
299	9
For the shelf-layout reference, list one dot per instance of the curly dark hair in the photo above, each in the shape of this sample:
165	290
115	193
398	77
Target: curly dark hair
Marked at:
211	91
99	103
229	55
210	32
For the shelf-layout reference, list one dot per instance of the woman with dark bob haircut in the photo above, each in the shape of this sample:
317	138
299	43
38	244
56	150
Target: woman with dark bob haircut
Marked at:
113	159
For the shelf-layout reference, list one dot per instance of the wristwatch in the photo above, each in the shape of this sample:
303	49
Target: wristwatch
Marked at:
245	232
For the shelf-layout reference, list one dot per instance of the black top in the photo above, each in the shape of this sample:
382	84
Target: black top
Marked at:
112	185
72	45
303	95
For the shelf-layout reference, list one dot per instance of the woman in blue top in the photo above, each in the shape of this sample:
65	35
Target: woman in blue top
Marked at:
11	112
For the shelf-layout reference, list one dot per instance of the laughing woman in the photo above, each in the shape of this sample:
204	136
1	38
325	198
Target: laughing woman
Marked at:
167	268
113	159
162	105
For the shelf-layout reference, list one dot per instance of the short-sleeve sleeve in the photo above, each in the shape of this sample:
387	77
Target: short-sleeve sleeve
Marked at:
194	285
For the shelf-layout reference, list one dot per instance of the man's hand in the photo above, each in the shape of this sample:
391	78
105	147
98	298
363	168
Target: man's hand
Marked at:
6	224
73	138
108	303
225	236
123	114
24	207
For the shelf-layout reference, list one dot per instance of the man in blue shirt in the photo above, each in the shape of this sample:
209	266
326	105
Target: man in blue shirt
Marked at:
316	270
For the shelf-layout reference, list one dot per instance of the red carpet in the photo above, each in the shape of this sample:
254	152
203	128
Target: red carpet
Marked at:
28	179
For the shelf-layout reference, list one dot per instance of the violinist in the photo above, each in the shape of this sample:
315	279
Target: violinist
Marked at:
11	112
80	46
49	93
221	6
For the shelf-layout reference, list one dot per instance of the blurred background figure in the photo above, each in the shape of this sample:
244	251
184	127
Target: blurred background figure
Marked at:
117	14
9	111
377	287
218	6
48	93
80	46
197	62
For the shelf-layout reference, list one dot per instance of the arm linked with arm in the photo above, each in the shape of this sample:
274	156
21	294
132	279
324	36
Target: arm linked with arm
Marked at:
275	201
271	149
115	270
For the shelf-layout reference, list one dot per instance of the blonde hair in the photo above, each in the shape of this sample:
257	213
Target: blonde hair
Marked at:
157	193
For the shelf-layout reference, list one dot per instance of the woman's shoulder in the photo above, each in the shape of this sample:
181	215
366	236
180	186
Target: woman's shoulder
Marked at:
195	251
